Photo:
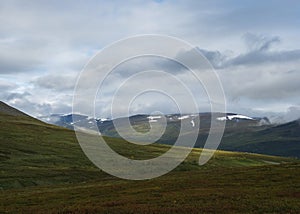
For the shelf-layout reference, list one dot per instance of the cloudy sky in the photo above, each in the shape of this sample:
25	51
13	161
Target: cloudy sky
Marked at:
254	47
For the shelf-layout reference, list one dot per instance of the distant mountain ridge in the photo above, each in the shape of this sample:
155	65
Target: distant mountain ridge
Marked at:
69	120
242	133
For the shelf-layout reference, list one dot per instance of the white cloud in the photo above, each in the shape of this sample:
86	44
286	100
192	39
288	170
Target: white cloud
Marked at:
43	47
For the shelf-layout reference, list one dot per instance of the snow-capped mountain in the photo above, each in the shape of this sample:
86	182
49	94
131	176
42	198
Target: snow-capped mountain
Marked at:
106	125
242	132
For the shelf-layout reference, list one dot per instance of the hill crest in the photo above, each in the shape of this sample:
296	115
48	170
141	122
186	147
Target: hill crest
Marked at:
6	109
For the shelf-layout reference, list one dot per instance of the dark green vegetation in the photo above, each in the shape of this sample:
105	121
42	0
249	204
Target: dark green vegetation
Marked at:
43	170
282	140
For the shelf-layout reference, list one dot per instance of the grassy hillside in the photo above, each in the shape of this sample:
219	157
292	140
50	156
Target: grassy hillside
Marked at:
43	170
281	140
34	153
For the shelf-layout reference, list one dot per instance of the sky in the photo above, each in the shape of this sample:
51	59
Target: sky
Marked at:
254	47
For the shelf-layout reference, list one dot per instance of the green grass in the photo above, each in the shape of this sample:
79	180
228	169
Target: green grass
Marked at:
264	189
43	170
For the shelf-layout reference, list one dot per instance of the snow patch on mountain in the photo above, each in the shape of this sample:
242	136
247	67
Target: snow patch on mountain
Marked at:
236	116
183	117
193	123
153	117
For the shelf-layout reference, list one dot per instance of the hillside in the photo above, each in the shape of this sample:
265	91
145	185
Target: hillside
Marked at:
34	153
44	170
281	140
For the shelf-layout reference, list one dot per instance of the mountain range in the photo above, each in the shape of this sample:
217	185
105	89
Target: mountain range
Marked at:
242	133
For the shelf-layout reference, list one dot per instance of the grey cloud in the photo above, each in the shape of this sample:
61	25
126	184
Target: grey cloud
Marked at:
216	58
14	65
267	85
17	96
5	86
264	16
262	57
32	55
23	102
256	42
259	52
173	66
147	63
62	106
56	82
292	113
21	55
33	105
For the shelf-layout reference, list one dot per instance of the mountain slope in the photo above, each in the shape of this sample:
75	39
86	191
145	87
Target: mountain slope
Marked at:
34	153
43	170
281	140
